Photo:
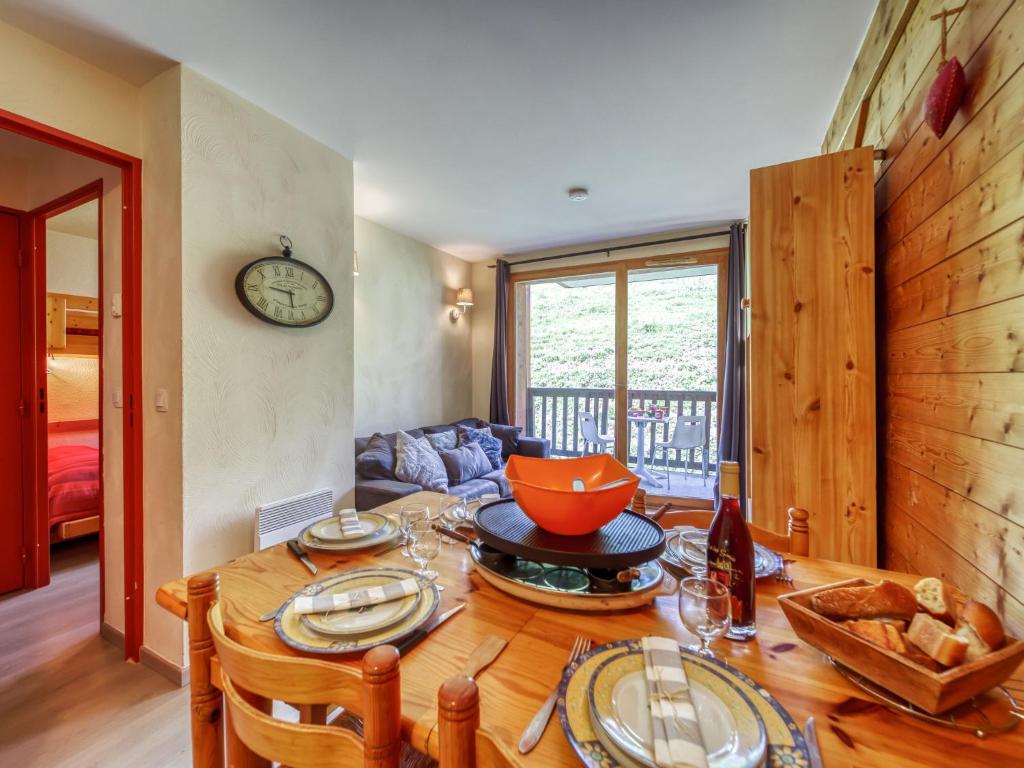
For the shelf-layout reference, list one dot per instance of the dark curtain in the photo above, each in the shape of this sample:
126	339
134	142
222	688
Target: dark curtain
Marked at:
499	367
732	411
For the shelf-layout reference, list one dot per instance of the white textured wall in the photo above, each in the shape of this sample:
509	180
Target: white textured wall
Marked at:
161	357
267	410
412	361
72	264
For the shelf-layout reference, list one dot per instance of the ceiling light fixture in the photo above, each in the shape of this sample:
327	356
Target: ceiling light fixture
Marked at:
578	194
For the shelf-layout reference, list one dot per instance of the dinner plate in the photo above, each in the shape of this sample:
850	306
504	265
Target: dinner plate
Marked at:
329	529
385	530
295	634
786	745
353	621
686	548
732	730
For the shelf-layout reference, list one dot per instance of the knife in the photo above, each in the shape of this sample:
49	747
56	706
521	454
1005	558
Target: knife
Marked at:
299	552
483	654
418	636
811	737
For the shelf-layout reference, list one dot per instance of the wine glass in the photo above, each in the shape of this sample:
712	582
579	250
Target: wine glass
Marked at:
453	510
424	546
409	514
706	610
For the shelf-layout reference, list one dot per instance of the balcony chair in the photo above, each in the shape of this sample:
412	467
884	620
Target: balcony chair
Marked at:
588	427
251	680
688	434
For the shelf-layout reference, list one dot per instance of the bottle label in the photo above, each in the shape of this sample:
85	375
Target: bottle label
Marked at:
722	568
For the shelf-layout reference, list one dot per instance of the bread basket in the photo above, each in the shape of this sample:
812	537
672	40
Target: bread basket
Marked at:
934	692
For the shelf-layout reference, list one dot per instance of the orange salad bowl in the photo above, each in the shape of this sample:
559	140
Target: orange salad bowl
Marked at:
543	489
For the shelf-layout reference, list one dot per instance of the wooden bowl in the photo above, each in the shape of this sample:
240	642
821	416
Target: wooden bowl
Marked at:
543	489
934	692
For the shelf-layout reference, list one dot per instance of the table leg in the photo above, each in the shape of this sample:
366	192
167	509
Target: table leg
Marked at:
641	461
206	701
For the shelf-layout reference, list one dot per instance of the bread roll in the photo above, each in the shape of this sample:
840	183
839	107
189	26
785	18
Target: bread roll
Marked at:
936	598
980	628
886	599
935	638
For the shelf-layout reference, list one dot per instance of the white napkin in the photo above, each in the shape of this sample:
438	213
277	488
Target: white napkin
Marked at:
350	525
357	598
677	738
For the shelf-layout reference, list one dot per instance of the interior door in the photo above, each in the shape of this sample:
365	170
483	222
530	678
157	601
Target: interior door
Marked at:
12	521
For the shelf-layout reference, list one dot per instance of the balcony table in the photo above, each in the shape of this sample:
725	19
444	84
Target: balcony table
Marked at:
852	730
642	423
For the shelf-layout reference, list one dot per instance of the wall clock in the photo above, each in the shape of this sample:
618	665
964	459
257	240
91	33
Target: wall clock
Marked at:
284	291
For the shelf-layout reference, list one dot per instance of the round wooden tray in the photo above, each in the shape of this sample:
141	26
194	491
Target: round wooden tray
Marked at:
574	601
628	540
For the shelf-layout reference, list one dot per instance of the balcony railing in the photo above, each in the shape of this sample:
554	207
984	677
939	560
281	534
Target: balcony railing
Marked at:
553	412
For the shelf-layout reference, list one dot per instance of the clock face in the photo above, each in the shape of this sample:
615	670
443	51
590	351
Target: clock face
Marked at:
284	291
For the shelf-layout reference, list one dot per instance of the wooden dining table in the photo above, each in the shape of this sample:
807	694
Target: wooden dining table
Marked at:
853	729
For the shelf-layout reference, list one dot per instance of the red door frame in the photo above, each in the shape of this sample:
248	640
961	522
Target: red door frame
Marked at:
40	523
131	288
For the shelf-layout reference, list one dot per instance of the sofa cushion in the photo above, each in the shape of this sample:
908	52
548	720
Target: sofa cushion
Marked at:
465	463
509	437
497	477
417	462
473	489
471	423
442	441
391	438
377	460
487	441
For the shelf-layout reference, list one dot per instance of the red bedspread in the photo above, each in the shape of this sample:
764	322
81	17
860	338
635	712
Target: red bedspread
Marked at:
74	482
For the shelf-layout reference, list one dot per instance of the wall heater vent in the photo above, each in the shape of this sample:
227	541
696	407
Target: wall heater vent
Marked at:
285	519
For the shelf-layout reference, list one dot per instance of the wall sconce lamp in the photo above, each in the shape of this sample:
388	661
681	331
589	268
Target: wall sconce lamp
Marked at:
463	301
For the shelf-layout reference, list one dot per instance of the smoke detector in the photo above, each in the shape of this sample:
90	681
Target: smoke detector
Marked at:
578	194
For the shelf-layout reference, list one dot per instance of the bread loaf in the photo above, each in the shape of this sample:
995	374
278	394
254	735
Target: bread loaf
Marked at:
882	633
980	628
937	640
935	597
886	599
918	656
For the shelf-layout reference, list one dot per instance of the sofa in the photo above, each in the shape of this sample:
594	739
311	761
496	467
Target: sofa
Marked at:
372	491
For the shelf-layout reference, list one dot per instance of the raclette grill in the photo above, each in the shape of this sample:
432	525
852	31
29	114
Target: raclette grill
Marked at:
628	540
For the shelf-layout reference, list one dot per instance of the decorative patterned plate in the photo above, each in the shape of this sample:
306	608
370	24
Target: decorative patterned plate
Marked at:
385	530
687	554
355	621
730	724
293	633
329	529
786	746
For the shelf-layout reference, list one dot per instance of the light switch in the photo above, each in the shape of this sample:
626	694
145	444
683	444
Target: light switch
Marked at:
118	397
115	305
161	399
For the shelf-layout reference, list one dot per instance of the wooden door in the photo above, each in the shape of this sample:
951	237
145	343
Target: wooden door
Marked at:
812	350
12	520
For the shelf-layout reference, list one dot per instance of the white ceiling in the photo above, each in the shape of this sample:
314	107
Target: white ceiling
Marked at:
469	119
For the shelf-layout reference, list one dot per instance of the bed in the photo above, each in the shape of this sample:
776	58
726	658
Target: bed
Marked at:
73	491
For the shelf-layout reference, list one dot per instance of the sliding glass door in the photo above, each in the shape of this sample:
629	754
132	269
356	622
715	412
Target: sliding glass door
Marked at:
624	358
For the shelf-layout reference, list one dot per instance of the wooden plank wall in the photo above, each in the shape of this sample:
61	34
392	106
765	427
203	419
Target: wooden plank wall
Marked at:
950	250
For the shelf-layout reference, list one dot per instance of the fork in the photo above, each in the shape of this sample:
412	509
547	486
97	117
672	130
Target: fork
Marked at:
783	574
536	727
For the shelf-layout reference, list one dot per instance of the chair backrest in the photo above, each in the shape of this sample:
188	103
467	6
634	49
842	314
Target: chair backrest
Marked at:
463	744
588	426
689	431
291	744
376	693
797	542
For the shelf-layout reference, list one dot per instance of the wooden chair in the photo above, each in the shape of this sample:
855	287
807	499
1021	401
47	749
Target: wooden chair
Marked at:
461	741
797	542
251	680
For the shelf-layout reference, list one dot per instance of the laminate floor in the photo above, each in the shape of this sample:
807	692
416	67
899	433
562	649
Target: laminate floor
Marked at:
67	697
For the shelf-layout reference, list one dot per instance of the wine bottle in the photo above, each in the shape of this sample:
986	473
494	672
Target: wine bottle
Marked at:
731	553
